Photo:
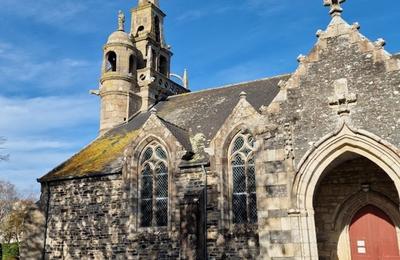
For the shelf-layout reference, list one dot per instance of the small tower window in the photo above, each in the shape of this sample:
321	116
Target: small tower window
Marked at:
131	64
157	30
242	164
139	30
163	65
111	61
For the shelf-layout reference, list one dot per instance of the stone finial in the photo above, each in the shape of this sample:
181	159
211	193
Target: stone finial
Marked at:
301	58
380	43
356	26
153	111
336	9
154	2
121	21
281	83
185	79
243	95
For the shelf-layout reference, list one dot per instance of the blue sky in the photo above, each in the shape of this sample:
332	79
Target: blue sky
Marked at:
50	56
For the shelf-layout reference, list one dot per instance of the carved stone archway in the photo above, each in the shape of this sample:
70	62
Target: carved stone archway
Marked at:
312	166
346	211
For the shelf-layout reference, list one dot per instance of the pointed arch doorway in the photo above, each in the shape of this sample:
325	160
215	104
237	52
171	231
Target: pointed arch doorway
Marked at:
373	235
353	168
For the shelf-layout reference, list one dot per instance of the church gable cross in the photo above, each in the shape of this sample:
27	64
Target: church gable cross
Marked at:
342	99
336	9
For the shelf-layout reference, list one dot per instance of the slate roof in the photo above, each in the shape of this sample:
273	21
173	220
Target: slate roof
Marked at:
197	112
205	111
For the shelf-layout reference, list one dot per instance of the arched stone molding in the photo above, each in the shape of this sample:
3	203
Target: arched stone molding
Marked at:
346	211
241	127
222	165
312	167
136	148
131	176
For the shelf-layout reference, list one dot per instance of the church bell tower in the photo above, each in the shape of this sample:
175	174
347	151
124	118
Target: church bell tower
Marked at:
118	83
154	55
136	67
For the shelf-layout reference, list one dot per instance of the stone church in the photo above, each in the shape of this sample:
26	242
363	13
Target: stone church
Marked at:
298	166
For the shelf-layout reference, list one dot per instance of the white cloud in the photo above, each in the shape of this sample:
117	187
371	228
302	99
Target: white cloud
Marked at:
242	72
35	115
260	7
45	11
19	66
29	144
63	14
33	128
195	14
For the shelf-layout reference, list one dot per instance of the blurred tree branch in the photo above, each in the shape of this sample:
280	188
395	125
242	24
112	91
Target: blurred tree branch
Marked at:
13	211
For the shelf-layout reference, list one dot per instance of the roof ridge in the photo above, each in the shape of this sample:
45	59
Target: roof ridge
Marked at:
131	118
165	121
230	85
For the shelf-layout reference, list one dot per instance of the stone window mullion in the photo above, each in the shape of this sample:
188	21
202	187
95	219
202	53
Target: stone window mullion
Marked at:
246	167
153	221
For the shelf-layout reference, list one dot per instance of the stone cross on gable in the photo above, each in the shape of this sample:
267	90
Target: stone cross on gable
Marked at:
342	99
336	9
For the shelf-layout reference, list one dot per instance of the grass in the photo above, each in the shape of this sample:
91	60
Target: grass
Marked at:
10	251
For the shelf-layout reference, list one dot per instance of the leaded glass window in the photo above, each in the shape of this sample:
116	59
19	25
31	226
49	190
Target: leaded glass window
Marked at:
244	199
153	188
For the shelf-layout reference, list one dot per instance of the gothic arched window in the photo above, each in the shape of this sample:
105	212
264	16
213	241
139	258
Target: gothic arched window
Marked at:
153	186
242	165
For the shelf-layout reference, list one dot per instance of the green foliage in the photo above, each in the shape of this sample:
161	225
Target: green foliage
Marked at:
10	251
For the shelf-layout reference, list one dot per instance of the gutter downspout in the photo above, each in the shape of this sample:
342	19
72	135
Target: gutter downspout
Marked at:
205	213
47	219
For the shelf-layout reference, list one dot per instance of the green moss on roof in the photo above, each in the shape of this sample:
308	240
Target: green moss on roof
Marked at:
96	158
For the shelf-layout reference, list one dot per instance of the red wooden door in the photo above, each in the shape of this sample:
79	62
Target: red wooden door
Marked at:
373	236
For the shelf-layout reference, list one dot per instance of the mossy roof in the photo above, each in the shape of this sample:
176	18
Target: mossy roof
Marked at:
101	156
198	112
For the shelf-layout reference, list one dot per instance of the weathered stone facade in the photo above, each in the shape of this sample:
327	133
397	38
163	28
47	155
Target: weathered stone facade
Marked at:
322	143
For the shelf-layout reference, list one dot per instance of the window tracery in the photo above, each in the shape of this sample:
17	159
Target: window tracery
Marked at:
153	197
242	164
